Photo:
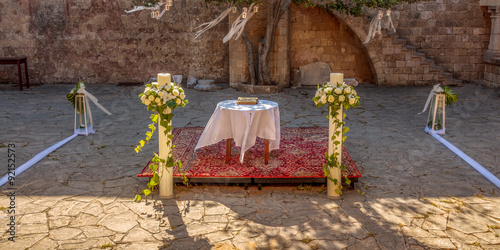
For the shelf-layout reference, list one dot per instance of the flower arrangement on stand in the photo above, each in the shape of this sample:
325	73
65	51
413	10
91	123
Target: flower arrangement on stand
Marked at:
71	97
337	95
162	100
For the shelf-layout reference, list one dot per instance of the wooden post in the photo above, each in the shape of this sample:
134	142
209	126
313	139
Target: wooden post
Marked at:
434	113
443	100
166	184
335	173
228	149
266	151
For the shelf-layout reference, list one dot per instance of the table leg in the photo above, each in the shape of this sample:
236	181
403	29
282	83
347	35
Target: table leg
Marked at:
266	151
19	73
228	149
26	72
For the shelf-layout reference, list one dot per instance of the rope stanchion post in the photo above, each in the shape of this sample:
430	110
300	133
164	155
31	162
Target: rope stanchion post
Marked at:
82	111
437	113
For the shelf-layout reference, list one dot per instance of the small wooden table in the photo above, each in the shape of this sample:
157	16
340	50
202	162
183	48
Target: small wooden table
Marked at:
18	61
243	124
228	150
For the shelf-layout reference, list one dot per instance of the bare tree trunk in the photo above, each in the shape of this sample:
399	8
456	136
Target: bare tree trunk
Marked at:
259	71
275	9
251	61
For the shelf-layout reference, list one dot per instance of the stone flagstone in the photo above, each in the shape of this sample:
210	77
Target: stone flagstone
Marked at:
414	193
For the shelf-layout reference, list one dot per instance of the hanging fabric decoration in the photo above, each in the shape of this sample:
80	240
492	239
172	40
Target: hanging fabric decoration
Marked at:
155	10
375	27
435	89
389	24
236	28
239	25
141	7
209	25
93	99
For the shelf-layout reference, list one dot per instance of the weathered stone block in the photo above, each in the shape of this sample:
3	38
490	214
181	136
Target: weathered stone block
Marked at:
314	74
351	82
191	82
207	85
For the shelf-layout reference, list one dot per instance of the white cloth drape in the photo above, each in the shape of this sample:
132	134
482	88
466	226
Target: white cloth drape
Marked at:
243	123
37	158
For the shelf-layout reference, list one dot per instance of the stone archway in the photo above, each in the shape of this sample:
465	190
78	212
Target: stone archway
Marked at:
321	40
349	55
358	25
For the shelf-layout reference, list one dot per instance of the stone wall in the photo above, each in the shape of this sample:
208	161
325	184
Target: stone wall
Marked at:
492	74
454	33
279	64
314	36
317	36
97	42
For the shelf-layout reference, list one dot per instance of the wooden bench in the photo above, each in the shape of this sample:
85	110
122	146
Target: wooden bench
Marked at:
18	61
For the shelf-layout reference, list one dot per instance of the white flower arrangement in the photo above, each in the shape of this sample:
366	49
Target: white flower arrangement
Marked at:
170	95
162	100
336	95
72	94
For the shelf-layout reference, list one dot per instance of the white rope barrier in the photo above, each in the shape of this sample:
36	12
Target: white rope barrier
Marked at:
469	160
36	159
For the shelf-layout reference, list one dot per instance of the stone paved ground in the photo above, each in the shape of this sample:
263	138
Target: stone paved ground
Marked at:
414	192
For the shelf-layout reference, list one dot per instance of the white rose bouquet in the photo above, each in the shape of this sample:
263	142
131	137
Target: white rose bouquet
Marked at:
336	95
159	99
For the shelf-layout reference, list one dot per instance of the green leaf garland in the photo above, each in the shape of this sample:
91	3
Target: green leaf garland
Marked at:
162	101
336	95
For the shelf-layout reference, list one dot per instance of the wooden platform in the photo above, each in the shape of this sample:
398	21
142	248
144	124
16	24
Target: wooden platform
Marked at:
300	159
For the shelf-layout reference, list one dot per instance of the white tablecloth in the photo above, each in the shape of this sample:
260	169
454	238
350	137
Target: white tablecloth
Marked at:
243	123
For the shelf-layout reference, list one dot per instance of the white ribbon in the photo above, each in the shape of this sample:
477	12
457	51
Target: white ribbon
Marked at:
435	89
375	27
139	8
37	158
93	99
469	160
209	25
239	25
391	24
236	28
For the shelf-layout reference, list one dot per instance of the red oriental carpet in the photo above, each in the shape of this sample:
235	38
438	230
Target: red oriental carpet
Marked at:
301	155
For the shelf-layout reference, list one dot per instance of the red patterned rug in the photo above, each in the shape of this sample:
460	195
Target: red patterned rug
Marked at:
301	155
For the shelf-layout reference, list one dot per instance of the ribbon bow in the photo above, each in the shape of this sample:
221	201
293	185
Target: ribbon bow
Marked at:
92	98
435	89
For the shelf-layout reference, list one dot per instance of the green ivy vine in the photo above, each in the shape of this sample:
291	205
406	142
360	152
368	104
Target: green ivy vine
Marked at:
162	100
337	96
